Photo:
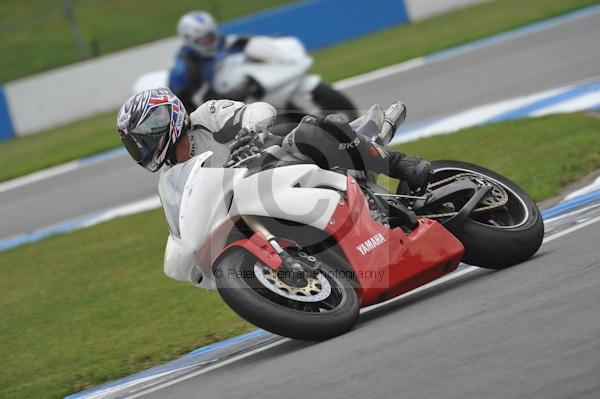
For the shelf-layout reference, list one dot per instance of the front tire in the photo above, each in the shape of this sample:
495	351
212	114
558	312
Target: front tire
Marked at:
239	287
490	244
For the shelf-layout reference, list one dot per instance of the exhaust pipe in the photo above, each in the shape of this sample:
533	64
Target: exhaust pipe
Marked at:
394	117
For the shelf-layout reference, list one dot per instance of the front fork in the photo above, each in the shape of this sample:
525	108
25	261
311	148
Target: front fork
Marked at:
291	268
257	227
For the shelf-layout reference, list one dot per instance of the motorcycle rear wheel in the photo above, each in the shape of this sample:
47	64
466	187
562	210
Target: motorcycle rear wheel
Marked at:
326	98
331	101
238	285
502	238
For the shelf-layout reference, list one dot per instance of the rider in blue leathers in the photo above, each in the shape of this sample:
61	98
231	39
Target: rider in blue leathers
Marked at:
195	62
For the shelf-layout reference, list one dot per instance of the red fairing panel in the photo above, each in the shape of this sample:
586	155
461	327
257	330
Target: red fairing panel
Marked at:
388	262
258	246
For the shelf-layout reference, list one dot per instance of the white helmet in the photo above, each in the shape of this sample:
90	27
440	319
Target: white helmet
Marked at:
199	30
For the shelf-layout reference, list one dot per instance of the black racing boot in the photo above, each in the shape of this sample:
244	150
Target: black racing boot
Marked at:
414	171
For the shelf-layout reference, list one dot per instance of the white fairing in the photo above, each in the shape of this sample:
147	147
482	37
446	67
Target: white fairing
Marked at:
202	204
279	64
276	50
290	193
151	80
198	217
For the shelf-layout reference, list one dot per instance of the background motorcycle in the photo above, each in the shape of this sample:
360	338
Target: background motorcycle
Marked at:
271	69
297	250
276	70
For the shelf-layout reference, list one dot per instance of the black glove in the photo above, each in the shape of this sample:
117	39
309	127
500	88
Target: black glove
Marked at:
246	144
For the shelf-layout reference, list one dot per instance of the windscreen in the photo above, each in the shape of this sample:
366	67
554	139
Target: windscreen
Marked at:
170	189
371	123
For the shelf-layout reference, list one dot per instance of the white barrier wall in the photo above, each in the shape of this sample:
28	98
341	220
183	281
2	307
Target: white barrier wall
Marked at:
84	89
422	9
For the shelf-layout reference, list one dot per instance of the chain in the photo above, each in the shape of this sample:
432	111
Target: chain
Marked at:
496	198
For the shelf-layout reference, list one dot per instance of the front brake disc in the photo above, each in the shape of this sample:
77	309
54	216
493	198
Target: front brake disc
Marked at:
316	289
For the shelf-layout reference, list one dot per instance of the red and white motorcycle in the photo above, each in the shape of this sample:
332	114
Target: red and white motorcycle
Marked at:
298	250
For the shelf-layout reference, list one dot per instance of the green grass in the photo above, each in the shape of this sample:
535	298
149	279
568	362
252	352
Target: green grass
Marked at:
35	35
24	155
82	308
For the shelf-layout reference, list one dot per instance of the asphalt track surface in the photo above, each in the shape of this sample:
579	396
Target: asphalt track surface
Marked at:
562	54
530	331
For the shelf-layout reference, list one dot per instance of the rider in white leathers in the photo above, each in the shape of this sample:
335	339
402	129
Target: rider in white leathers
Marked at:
156	130
215	124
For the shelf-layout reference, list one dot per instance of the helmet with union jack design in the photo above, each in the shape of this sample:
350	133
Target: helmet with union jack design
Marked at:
150	124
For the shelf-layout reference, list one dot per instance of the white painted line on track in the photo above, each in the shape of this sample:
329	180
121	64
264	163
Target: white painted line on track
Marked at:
38	176
578	96
60	169
209	368
380	73
107	391
368	309
586	101
571	214
593	186
124	210
441	280
467	47
571	229
81	222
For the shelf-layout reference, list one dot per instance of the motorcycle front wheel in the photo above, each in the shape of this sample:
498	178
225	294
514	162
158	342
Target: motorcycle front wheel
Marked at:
321	306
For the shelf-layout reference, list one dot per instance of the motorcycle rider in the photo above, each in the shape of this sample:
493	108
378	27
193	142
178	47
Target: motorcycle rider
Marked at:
156	130
195	62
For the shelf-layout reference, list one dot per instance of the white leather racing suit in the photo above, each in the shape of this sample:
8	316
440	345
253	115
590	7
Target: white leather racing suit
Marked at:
327	142
215	124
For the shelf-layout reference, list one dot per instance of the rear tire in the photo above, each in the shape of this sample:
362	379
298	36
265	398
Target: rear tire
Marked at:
240	289
334	101
491	246
326	98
